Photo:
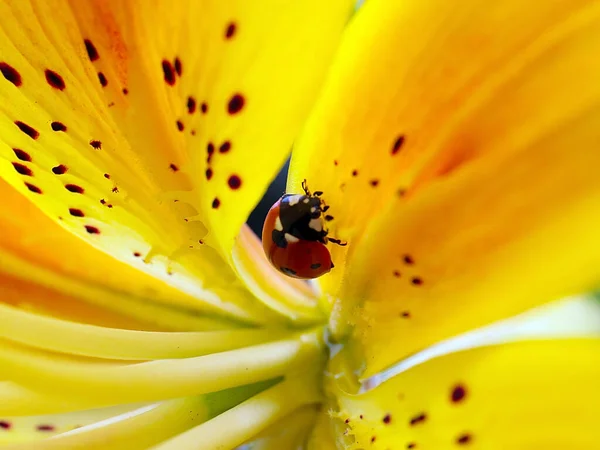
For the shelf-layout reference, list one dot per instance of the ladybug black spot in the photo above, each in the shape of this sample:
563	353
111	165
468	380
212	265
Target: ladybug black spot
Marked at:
287	270
315	266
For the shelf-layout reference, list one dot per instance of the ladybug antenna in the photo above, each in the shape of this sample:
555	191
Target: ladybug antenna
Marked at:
318	193
337	241
305	188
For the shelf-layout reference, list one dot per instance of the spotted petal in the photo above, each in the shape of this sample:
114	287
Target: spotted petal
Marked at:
107	110
523	395
469	141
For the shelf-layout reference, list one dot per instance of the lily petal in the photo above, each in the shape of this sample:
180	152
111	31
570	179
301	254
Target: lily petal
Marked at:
38	428
106	109
29	253
136	428
481	137
536	394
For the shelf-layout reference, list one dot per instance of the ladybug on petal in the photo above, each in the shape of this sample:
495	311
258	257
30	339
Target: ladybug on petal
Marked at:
294	236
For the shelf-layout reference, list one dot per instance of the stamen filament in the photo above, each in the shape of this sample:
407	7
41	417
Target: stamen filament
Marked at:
16	400
80	339
108	382
243	422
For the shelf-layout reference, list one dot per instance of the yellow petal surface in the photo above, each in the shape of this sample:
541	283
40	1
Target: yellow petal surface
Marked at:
524	395
107	109
480	133
130	427
45	260
24	430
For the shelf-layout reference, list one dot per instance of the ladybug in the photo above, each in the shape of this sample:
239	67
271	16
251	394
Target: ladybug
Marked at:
294	236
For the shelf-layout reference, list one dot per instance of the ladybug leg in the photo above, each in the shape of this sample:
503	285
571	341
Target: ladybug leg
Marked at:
338	242
305	188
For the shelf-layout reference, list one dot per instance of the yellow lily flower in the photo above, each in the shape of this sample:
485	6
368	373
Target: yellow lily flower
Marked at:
455	143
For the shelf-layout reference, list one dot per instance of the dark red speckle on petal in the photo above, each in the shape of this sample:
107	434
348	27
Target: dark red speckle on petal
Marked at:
58	126
387	419
180	126
76	212
216	203
191	105
102	79
236	103
204	108
59	170
91	50
374	183
411	445
355	173
408	259
230	30
55	80
234	182
458	393
417	281
33	188
45	427
169	72
107	176
137	254
11	74
22	155
225	147
22	169
210	150
28	130
91	229
96	144
4	425
178	66
464	439
74	188
125	91
405	314
209	173
173	167
418	419
397	144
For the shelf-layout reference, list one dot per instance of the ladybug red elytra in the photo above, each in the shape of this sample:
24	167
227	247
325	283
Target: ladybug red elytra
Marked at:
294	236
